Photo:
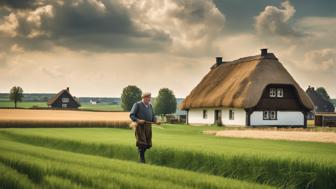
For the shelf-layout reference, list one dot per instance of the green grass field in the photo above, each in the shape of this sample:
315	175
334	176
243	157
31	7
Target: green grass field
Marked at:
9	104
84	106
101	107
29	166
285	164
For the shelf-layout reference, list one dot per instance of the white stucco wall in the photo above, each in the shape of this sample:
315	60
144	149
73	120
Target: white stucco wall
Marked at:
283	118
195	116
239	116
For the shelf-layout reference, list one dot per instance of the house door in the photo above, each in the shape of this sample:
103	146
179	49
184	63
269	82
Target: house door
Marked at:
218	117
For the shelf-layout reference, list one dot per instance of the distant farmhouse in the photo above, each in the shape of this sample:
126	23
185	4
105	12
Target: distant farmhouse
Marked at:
324	111
63	99
251	91
93	101
320	104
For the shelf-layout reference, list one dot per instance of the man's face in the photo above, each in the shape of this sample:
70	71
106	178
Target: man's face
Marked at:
147	99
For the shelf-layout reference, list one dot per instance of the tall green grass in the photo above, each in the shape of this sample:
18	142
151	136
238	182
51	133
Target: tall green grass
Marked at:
280	172
47	168
10	178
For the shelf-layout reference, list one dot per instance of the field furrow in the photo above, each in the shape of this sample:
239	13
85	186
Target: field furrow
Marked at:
47	166
284	173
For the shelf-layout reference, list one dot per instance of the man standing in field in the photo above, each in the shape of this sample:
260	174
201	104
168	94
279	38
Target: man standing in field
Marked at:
142	113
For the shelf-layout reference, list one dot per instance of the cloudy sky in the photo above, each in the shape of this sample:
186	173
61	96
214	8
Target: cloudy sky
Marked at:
97	47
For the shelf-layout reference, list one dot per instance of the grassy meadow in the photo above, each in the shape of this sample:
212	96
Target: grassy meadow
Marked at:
9	104
177	150
101	107
31	166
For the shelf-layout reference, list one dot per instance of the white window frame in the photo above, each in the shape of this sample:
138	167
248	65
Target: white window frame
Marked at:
231	114
280	92
205	114
64	105
266	115
273	115
273	92
270	115
65	100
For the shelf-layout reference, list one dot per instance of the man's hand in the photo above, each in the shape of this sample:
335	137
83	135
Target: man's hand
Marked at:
158	122
140	121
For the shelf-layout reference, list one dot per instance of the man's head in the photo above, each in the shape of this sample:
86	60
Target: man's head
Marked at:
146	97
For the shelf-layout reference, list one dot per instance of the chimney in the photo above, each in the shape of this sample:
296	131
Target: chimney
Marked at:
263	52
68	89
219	60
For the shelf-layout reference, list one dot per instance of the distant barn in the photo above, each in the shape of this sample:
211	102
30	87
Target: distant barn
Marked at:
320	104
324	111
63	99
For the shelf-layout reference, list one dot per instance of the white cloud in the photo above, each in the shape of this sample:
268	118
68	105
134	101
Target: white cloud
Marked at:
321	59
275	21
28	20
192	25
184	27
9	25
99	5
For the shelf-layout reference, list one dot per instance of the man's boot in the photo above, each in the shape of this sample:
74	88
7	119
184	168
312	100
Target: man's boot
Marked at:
141	155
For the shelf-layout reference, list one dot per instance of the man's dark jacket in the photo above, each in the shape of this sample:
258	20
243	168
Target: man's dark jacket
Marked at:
143	132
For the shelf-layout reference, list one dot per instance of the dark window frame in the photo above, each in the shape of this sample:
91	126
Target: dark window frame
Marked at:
269	113
205	114
231	114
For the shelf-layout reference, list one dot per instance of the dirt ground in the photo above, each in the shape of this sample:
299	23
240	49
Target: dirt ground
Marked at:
312	136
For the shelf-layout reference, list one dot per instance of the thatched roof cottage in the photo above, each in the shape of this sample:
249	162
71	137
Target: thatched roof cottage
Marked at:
251	91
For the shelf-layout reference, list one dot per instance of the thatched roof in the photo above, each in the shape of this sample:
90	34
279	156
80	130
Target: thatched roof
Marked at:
240	83
54	98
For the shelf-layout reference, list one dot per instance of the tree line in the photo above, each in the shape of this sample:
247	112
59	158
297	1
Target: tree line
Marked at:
165	102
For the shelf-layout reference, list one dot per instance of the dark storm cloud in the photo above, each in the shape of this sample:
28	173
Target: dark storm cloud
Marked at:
89	25
20	4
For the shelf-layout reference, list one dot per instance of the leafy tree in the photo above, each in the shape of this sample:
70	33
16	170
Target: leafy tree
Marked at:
165	102
130	95
323	92
16	95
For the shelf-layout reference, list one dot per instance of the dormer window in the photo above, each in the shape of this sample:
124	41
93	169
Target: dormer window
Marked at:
280	93
273	92
65	100
276	92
